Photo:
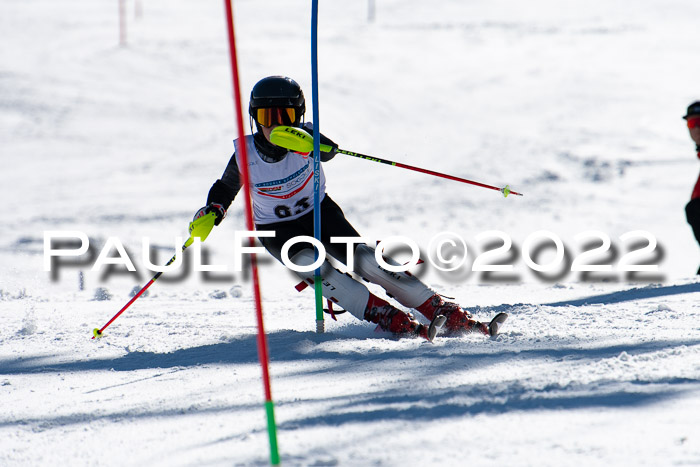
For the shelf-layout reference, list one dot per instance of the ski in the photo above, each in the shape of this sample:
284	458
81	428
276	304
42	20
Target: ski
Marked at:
427	331
496	323
435	325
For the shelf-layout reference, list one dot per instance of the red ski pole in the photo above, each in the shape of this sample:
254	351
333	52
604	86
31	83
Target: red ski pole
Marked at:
299	140
97	332
201	228
505	190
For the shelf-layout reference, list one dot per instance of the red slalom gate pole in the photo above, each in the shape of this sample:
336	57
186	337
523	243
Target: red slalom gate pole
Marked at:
262	341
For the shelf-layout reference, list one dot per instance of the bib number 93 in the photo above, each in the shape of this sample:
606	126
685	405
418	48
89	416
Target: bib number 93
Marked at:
282	210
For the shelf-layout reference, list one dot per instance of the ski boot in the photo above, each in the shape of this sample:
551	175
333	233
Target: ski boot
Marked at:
393	320
458	319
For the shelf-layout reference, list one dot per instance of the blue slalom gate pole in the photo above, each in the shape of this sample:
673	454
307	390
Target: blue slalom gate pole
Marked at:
317	162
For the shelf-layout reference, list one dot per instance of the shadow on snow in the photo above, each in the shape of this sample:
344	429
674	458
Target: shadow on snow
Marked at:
294	346
400	400
630	295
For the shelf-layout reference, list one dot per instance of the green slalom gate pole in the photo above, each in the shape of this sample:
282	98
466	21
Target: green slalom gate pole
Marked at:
318	284
262	341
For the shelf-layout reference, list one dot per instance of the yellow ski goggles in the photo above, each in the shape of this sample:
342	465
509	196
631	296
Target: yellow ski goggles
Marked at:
268	116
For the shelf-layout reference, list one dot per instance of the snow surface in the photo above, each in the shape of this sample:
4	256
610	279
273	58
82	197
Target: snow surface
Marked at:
577	104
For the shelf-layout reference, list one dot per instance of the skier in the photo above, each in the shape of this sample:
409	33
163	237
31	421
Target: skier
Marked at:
283	202
692	209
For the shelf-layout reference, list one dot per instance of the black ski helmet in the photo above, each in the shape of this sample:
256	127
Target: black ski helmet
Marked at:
277	91
693	110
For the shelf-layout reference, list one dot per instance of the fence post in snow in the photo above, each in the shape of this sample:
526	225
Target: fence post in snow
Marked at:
122	23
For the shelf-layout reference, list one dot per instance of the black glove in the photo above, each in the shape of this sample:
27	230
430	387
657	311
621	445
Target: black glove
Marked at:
332	152
218	210
326	156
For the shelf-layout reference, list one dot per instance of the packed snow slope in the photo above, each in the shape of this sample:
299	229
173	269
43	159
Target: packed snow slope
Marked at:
575	104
